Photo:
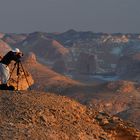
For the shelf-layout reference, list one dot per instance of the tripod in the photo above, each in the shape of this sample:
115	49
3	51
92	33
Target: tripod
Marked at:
18	64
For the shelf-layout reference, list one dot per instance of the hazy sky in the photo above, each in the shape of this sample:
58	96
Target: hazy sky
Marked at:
61	15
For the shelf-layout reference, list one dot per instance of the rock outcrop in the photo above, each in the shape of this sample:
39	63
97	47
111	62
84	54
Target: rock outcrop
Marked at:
86	64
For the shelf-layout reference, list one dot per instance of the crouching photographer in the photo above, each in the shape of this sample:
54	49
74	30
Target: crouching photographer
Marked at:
14	55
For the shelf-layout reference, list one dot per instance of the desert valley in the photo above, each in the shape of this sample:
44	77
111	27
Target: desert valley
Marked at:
84	85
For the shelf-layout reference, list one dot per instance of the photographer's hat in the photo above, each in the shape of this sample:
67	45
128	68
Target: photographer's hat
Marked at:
16	50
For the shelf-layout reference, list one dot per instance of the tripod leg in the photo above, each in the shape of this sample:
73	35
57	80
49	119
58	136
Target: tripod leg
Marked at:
17	81
18	76
12	71
25	75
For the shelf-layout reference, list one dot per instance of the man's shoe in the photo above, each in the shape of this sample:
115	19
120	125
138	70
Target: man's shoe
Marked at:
11	88
3	87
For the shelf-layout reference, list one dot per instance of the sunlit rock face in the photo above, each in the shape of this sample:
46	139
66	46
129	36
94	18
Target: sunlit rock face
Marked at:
29	57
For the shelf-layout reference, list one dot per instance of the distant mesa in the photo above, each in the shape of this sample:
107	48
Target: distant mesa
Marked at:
86	63
128	67
59	66
43	47
13	39
71	31
70	45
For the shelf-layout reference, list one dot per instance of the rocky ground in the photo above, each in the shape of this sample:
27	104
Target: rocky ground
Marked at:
43	116
119	97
